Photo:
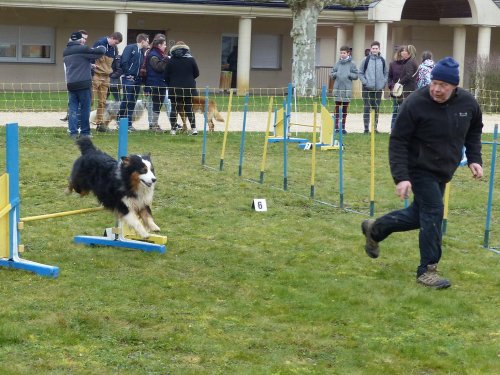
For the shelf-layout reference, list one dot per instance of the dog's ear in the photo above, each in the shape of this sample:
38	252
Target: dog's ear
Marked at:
125	160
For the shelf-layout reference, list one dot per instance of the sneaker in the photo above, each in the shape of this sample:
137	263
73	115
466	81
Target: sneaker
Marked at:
131	129
172	131
86	136
194	131
102	129
344	131
336	130
65	118
366	131
431	278
371	246
73	136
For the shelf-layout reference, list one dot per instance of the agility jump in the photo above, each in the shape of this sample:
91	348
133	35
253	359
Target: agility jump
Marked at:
11	224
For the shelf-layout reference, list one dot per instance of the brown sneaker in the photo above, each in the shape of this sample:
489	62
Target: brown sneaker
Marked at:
432	279
371	246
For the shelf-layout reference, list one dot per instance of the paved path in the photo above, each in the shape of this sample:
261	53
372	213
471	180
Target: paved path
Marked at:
256	121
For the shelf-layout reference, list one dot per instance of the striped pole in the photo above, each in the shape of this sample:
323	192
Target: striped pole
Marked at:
204	143
341	158
444	225
242	144
313	157
264	154
490	190
226	129
372	163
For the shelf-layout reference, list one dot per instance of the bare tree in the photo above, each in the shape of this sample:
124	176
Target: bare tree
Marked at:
305	15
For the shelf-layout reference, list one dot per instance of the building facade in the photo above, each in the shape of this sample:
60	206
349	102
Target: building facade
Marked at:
33	33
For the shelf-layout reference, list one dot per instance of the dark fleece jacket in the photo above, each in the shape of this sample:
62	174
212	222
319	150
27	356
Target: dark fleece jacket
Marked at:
428	137
77	59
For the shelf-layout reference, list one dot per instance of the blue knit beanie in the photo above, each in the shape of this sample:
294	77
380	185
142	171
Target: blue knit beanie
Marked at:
446	70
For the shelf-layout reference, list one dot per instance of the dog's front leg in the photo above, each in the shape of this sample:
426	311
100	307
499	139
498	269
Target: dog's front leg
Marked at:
132	220
147	219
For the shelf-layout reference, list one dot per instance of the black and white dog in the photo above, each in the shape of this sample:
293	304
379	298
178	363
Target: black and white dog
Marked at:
125	187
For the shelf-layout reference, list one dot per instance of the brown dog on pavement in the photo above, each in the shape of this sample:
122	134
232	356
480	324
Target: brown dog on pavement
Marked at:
198	103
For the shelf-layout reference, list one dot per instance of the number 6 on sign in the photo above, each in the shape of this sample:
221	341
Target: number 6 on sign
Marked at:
259	205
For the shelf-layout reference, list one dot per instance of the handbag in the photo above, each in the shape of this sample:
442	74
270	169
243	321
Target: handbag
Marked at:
397	90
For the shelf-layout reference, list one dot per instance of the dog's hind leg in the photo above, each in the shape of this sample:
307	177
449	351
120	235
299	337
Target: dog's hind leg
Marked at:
147	219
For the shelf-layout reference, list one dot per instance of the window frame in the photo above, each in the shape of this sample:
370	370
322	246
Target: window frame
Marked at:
23	36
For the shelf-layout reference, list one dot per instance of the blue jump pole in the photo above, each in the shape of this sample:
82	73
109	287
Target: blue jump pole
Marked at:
123	137
243	131
490	190
12	169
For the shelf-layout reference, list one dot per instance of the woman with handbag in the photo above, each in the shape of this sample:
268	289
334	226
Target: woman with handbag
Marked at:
406	82
395	69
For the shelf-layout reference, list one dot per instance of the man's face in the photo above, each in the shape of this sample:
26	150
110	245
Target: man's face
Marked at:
84	39
144	44
344	55
375	50
441	91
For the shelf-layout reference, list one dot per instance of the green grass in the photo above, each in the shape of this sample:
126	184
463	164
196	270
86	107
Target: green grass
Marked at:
288	291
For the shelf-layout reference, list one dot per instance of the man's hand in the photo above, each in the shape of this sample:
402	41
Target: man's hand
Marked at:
477	170
403	189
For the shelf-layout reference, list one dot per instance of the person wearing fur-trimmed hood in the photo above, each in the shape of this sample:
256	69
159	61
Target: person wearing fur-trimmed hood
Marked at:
180	76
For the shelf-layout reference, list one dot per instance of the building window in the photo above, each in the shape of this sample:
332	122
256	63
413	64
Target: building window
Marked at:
26	44
266	52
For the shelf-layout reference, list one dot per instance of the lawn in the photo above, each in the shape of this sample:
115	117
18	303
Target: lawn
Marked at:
287	291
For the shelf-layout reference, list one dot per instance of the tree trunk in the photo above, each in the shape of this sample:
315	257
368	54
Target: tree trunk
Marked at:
305	21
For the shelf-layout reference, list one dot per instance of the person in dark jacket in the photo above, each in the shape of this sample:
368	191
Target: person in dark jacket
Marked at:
180	75
77	68
131	62
425	149
156	61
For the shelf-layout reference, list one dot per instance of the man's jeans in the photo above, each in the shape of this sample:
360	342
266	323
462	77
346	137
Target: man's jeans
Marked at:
79	111
425	213
371	100
131	88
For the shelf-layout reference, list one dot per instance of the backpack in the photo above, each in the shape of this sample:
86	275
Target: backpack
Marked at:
367	60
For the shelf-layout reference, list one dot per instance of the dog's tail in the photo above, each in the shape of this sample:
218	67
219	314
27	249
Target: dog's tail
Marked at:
85	145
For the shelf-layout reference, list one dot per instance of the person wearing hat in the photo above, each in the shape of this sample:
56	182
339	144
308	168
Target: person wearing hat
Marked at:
180	76
434	123
77	69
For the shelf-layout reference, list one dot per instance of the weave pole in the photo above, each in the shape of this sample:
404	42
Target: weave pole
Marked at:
341	158
487	225
444	225
313	156
264	153
205	117
372	163
243	132
226	129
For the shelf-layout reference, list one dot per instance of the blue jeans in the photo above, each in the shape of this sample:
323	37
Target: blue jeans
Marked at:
131	89
425	213
79	111
395	110
371	100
